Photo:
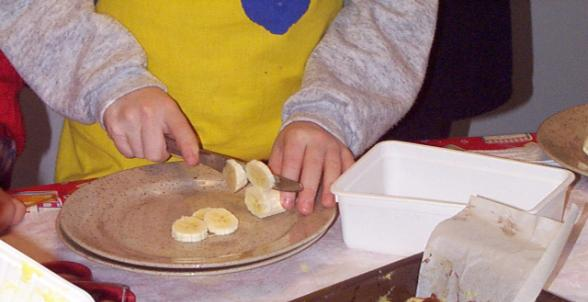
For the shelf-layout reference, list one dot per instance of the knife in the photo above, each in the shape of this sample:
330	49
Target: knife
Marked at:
217	161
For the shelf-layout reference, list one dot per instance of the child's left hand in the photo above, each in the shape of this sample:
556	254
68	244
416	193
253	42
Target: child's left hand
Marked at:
306	152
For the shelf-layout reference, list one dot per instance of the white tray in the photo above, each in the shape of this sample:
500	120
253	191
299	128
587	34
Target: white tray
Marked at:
23	279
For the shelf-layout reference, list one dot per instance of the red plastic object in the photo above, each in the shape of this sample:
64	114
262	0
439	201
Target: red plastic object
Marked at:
81	276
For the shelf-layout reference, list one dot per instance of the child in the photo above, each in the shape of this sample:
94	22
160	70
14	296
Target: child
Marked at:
232	70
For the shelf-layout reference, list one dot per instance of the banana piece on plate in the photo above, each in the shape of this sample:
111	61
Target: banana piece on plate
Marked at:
220	221
263	203
259	174
235	175
585	146
189	229
200	213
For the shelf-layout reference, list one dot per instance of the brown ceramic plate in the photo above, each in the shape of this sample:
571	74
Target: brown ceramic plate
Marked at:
127	216
562	135
177	272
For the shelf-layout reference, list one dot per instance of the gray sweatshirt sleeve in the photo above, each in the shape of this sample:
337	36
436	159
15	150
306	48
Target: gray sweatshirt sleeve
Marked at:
367	70
76	61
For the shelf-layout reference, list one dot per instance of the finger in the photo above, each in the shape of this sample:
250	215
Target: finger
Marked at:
276	157
291	165
123	146
124	128
135	140
310	179
127	137
347	159
19	211
153	142
332	170
186	139
275	163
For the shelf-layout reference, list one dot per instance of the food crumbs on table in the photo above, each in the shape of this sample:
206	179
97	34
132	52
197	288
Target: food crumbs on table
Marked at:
388	276
470	295
432	298
304	268
383	299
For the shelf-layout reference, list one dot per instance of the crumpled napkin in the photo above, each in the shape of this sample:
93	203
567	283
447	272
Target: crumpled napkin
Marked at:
492	252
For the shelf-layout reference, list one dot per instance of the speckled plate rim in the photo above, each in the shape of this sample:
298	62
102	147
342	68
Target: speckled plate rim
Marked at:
325	225
189	272
565	147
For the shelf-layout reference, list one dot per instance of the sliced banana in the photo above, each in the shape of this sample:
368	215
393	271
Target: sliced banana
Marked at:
263	203
200	213
259	174
235	175
189	229
220	221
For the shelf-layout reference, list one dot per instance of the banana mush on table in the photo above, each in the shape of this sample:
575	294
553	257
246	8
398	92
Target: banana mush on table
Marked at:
432	298
260	199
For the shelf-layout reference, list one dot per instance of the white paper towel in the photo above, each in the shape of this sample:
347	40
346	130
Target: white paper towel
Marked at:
492	252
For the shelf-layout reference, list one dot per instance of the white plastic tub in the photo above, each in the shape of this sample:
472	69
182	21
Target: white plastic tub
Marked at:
23	279
392	198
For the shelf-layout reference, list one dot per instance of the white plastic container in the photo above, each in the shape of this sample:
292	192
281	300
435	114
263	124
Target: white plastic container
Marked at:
23	279
392	198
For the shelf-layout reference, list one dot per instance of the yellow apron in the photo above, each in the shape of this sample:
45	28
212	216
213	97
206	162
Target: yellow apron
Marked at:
229	64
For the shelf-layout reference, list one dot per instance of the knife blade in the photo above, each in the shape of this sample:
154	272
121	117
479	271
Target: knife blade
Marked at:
217	161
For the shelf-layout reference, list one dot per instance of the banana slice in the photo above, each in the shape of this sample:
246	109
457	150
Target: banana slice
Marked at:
220	221
235	175
263	203
200	213
189	229
259	174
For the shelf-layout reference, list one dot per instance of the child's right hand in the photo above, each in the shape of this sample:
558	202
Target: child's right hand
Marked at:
11	211
139	121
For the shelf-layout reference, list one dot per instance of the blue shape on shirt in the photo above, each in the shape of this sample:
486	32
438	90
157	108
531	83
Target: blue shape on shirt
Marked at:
277	16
